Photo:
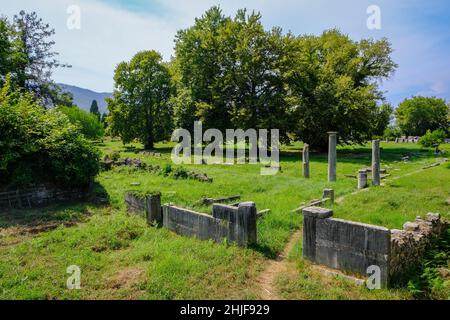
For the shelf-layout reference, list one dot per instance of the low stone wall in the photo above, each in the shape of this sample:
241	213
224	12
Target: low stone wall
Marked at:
148	206
409	244
235	223
354	247
345	245
40	196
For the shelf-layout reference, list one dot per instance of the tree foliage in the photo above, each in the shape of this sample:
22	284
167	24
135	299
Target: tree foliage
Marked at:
94	109
334	84
88	123
26	53
39	145
417	115
139	108
230	67
233	73
431	139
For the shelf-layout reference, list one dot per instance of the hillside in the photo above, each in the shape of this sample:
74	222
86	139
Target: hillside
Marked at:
83	97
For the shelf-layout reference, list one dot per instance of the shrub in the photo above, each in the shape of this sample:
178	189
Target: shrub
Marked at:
88	123
432	138
39	145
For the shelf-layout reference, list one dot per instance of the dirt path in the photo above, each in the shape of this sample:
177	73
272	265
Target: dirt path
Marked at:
274	268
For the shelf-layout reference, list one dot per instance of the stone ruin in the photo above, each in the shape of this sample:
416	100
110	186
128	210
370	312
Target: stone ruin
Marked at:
354	247
236	223
409	244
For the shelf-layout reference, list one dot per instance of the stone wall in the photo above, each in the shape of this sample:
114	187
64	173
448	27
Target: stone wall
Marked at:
236	224
40	195
148	206
345	245
353	247
409	244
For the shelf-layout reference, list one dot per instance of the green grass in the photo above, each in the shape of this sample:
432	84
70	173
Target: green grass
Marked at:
120	257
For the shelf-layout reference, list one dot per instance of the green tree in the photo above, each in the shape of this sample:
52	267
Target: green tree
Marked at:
417	115
94	109
431	139
139	108
39	145
10	55
33	71
230	67
383	119
334	86
104	121
88	123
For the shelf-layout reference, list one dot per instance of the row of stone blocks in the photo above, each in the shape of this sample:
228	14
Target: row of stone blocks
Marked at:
236	224
354	247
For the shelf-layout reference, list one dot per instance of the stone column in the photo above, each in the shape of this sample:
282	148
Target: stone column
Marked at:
306	161
376	177
332	156
153	209
246	224
310	216
362	179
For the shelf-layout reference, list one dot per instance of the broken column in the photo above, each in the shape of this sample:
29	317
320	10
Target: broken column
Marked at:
376	177
332	156
306	161
362	179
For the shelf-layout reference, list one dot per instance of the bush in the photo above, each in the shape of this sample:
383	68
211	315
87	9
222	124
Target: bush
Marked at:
88	123
39	145
432	138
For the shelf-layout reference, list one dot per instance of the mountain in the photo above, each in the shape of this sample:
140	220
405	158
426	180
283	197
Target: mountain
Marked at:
83	97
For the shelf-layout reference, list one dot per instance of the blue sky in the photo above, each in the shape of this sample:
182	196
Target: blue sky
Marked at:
114	30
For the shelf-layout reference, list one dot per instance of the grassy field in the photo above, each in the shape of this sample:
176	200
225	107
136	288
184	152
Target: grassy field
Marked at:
120	257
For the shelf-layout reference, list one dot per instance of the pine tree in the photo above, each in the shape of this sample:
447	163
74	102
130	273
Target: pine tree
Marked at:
94	109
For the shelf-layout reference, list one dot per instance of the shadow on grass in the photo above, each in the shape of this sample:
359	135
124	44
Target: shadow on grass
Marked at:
52	215
265	250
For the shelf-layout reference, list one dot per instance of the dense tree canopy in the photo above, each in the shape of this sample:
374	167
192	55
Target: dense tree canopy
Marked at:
417	115
334	87
230	68
233	73
88	123
139	108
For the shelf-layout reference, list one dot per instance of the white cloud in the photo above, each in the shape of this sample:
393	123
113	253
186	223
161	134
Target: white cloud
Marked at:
109	34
